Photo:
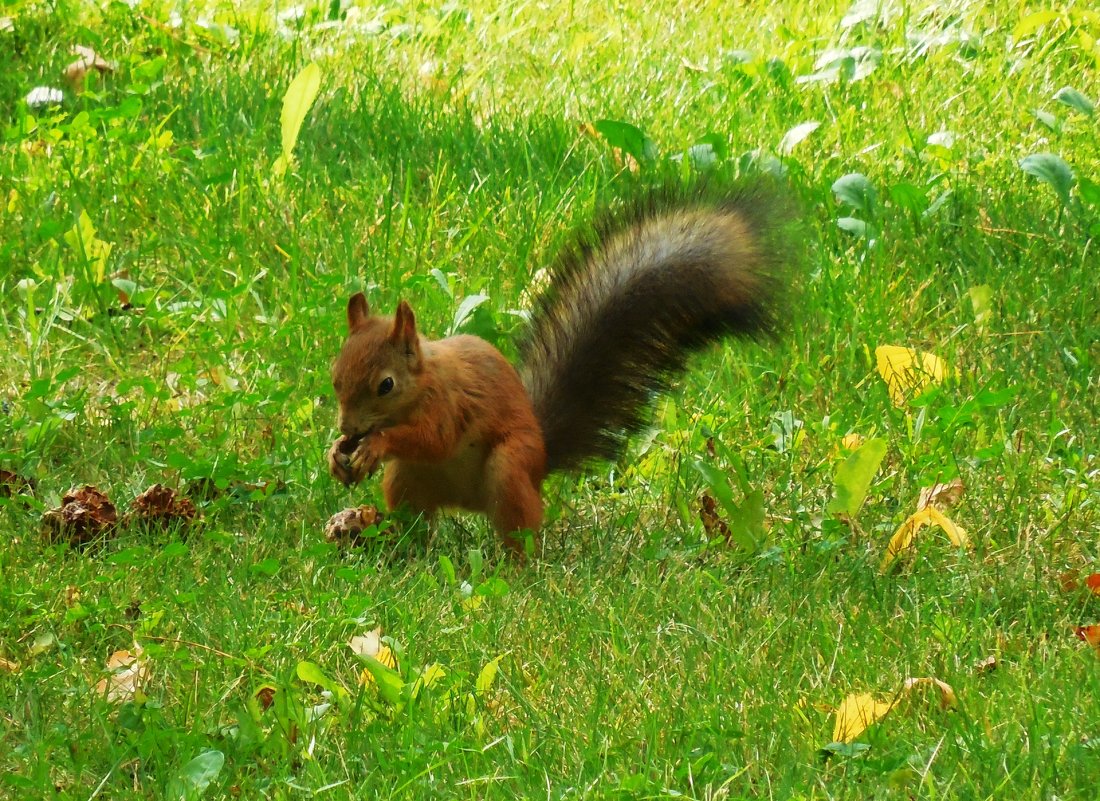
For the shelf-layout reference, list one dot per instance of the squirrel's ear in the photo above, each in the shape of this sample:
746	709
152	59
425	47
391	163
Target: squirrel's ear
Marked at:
404	330
358	311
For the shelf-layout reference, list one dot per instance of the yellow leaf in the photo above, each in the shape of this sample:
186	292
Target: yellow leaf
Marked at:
487	675
852	441
89	249
903	537
956	533
907	531
947	694
908	372
371	645
860	710
856	713
386	657
431	674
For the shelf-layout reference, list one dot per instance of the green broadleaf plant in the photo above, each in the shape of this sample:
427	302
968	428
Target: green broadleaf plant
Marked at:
628	138
1069	96
1052	170
855	190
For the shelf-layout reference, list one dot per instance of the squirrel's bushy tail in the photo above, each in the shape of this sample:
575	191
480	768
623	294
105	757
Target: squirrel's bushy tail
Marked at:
633	299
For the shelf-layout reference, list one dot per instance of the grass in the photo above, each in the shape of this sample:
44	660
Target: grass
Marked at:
447	156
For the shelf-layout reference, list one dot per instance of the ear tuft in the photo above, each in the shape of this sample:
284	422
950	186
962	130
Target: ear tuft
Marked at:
358	311
404	330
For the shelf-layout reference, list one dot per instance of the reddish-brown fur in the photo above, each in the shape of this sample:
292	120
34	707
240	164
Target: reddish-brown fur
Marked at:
457	426
455	430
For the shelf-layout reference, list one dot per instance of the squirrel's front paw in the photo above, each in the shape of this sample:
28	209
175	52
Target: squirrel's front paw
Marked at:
366	457
339	460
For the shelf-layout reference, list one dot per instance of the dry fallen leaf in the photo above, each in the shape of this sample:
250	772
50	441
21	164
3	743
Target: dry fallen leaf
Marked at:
1090	634
856	713
8	665
128	672
851	441
713	523
947	694
1070	580
907	531
88	60
265	696
84	515
860	710
941	495
987	665
907	372
370	644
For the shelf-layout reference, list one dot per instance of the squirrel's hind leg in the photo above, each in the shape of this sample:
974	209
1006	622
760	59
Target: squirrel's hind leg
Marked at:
514	502
403	486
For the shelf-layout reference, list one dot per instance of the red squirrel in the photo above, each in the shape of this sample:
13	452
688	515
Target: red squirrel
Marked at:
456	425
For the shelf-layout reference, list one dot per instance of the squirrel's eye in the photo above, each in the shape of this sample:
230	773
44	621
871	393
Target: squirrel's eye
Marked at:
385	386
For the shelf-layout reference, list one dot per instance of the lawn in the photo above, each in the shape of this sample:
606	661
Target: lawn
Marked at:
174	269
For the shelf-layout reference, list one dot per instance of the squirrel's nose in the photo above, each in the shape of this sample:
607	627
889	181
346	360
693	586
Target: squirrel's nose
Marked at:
352	431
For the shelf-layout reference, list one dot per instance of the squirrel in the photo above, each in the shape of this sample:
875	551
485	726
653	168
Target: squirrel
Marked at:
456	425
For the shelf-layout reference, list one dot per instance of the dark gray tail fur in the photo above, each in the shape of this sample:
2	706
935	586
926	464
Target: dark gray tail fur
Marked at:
634	298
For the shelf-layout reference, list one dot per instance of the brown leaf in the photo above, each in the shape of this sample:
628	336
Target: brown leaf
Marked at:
941	495
1090	634
947	693
161	507
128	671
987	665
346	527
85	515
713	523
265	696
8	666
1071	580
88	60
